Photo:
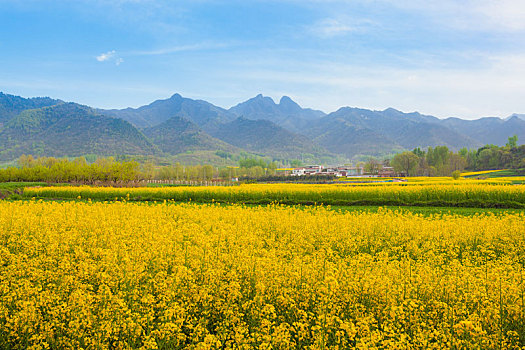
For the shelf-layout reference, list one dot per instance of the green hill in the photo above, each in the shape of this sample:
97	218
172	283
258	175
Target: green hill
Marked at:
265	137
11	106
70	129
178	135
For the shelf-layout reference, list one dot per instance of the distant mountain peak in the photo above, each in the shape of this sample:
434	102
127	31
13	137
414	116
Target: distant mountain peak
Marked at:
199	112
264	99
286	99
289	106
516	115
287	113
391	109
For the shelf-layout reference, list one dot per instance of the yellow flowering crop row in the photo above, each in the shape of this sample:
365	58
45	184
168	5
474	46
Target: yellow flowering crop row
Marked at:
421	179
461	194
440	180
424	180
450	180
482	172
131	275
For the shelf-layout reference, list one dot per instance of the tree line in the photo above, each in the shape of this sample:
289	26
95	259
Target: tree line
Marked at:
109	170
78	170
440	161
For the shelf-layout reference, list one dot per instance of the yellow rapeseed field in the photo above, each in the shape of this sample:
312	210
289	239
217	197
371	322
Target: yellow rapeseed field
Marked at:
171	276
460	194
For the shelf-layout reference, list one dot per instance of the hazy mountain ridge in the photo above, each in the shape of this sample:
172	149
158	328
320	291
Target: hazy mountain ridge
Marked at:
286	113
342	137
520	116
178	135
489	130
381	132
266	137
202	113
281	130
222	129
352	131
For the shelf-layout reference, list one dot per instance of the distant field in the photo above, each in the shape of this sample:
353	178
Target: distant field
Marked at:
456	195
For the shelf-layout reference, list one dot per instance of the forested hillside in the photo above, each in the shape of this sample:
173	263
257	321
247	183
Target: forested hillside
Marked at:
178	135
265	137
11	105
70	129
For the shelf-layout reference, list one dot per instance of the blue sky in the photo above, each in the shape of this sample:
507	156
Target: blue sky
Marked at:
446	58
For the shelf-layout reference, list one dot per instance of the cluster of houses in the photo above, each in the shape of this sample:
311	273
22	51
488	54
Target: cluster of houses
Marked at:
338	171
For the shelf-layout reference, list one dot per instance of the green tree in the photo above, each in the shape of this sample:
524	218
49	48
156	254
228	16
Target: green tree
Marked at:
179	171
207	171
405	162
457	162
512	142
295	163
26	161
439	158
372	166
272	167
419	152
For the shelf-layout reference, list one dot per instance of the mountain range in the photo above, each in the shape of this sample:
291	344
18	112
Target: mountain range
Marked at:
258	126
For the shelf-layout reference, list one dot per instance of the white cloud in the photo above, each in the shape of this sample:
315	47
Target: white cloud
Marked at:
106	56
110	56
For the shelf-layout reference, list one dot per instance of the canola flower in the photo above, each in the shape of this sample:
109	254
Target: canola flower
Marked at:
481	172
461	194
427	180
121	275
